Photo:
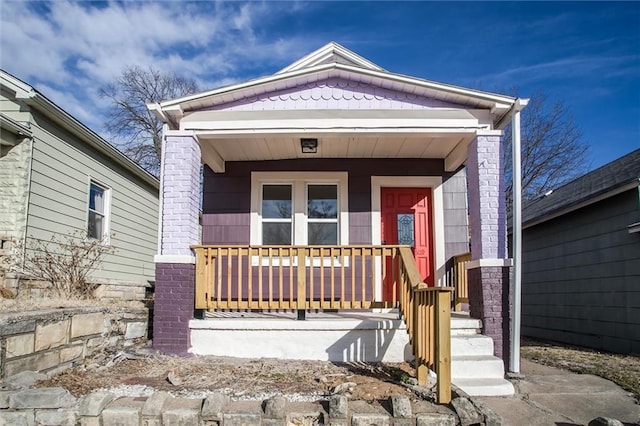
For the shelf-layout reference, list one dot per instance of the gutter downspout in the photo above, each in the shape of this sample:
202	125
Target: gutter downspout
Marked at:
517	235
165	127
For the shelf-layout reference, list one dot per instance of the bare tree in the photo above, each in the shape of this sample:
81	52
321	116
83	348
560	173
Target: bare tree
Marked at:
553	151
129	118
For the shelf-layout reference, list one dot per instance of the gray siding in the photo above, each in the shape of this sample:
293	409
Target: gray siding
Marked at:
456	214
581	277
61	170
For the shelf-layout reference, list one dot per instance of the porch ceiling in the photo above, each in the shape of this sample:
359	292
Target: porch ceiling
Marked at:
216	151
441	133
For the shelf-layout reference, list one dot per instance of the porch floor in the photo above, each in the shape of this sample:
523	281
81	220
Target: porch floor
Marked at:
311	315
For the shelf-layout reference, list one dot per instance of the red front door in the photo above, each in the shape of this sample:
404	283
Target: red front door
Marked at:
400	210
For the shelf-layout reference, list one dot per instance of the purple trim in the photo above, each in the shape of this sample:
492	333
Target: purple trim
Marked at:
173	307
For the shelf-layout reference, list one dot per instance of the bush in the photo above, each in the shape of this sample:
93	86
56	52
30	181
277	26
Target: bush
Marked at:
63	261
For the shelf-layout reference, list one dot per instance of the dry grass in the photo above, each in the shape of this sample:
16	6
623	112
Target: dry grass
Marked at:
623	370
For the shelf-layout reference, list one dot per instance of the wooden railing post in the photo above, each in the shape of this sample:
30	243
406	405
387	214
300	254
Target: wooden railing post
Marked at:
301	294
443	346
201	279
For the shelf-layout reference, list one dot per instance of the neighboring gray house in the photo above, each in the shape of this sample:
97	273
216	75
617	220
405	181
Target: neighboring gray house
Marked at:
59	177
581	260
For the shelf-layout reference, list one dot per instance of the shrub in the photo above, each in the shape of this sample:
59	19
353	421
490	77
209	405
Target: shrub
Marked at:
63	261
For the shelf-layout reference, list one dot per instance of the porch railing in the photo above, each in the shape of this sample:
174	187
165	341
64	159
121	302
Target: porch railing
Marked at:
333	277
460	281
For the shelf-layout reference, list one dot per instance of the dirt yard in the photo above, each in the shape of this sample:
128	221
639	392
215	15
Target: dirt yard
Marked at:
239	378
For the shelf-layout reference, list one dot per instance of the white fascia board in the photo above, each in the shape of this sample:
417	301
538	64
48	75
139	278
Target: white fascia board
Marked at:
325	52
13	126
496	100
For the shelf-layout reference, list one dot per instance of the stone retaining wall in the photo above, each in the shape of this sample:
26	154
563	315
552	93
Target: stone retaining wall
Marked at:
54	340
47	406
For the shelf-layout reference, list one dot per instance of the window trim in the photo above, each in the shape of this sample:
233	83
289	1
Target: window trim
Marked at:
299	182
106	233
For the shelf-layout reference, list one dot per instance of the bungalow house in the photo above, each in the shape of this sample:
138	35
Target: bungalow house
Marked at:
581	260
332	185
57	178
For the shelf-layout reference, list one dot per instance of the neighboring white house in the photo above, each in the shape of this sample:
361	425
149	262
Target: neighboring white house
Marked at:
58	177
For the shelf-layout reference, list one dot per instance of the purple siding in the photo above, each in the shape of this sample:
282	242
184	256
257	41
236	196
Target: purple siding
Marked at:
335	93
173	306
227	196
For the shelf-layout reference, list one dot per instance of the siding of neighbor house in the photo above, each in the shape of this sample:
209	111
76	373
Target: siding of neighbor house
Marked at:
61	168
581	277
226	205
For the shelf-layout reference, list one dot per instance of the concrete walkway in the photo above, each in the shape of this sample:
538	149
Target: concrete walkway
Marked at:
550	396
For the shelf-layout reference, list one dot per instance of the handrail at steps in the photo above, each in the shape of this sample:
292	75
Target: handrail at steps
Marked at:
460	282
332	277
427	314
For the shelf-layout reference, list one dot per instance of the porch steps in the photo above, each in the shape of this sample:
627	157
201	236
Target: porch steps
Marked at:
474	368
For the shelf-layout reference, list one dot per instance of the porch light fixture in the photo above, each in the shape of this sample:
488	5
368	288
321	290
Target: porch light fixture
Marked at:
309	145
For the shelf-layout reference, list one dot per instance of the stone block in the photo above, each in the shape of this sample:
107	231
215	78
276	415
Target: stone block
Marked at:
71	353
136	330
4	398
87	324
52	335
338	407
121	416
466	412
154	403
305	419
436	419
17	327
213	406
94	403
59	417
369	419
90	421
400	406
41	398
242	419
19	345
19	418
182	412
274	407
24	379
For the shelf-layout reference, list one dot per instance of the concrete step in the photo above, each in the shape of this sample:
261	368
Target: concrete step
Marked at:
469	345
465	326
485	387
476	367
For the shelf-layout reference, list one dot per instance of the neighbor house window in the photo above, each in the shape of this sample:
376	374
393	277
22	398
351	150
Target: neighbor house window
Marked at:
97	224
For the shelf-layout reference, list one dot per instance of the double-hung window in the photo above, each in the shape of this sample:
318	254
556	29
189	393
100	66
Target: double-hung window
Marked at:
98	211
299	208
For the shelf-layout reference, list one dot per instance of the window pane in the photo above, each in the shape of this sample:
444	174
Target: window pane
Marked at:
96	198
323	233
323	202
276	201
96	225
276	233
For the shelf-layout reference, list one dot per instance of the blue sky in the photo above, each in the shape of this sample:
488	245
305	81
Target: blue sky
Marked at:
586	54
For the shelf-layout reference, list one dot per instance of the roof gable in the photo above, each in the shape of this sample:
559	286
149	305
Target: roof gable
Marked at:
331	52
